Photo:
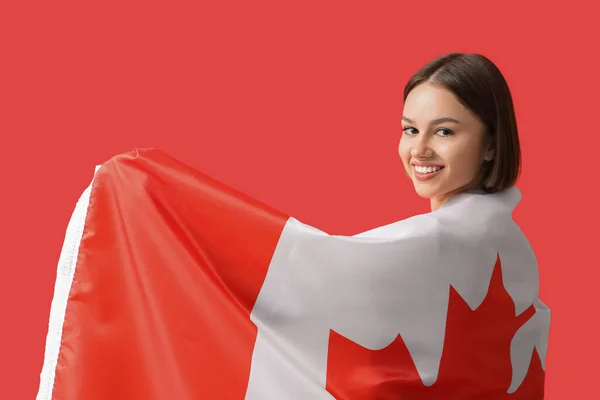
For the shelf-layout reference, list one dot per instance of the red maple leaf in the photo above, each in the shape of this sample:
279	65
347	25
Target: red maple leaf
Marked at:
475	362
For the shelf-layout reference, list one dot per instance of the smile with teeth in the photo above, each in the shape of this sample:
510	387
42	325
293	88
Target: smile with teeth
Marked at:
427	170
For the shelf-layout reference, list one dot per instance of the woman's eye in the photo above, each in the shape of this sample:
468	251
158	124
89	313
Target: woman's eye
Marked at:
409	131
444	132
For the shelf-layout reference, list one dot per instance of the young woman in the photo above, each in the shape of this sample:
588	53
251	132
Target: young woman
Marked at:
173	285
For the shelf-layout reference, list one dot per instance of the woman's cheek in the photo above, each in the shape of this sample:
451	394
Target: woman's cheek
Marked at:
404	151
443	151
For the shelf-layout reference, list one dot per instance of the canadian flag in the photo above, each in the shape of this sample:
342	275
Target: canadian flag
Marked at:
171	285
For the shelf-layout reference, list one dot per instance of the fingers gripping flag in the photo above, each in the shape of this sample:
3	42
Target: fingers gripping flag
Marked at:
172	285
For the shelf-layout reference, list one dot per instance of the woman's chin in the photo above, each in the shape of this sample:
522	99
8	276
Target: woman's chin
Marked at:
424	190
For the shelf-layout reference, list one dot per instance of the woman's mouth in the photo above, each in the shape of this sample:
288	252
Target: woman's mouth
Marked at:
426	172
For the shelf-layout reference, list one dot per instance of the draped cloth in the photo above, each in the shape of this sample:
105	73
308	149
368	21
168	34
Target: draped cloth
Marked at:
172	285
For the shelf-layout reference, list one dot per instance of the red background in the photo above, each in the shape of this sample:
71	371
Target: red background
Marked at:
297	105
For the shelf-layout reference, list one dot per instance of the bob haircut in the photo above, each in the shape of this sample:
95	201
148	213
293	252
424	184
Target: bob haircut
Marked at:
480	86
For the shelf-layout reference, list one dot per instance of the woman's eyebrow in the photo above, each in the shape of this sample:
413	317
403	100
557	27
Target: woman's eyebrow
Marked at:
444	119
436	121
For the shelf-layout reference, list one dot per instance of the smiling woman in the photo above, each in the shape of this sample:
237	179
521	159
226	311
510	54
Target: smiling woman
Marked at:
459	128
171	284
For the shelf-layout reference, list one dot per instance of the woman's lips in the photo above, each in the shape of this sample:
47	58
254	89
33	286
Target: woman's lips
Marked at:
426	172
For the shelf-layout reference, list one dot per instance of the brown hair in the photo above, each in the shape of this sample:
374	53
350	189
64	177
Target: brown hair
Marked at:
481	87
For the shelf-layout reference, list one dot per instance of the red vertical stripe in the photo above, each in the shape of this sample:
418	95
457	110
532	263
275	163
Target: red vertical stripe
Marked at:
169	267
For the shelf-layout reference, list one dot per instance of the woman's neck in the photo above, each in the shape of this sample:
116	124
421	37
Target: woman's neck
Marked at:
438	201
435	203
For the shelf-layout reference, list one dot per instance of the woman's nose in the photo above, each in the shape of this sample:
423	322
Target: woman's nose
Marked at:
421	148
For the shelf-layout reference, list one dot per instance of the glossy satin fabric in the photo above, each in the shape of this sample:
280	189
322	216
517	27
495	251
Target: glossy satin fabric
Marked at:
170	279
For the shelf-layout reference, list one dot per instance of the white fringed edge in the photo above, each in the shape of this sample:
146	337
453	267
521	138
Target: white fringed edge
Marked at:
64	278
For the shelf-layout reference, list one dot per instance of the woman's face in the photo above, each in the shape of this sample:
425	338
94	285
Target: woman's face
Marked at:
443	143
